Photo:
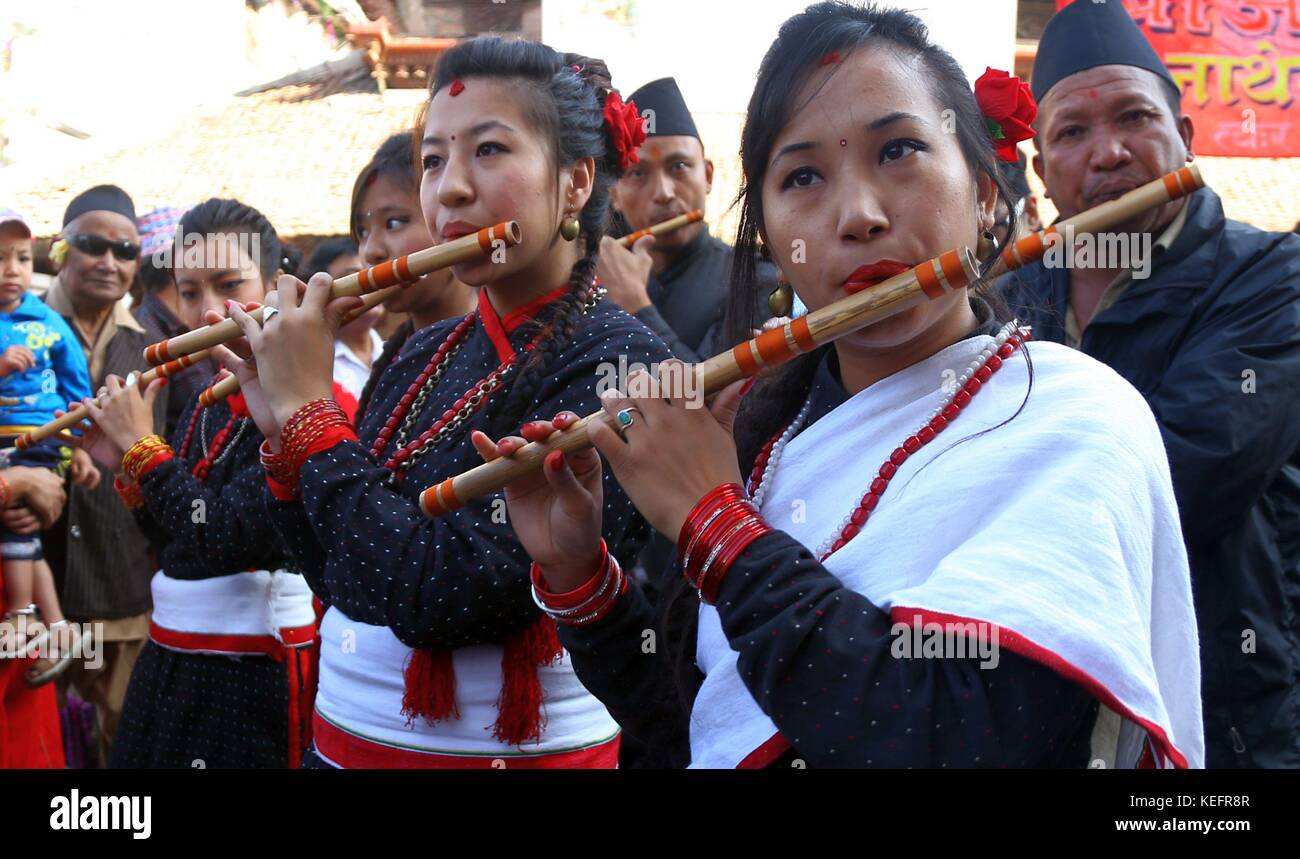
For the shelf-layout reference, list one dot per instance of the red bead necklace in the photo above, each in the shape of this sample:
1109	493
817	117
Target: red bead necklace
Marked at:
402	421
988	363
216	450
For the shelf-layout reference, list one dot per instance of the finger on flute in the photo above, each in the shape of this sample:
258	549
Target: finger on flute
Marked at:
229	385
74	417
403	270
662	227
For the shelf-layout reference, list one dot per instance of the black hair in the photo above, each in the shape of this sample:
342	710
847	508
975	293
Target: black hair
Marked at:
324	254
801	44
563	96
394	160
216	215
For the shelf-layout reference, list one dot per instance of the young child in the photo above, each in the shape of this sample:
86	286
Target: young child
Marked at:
41	369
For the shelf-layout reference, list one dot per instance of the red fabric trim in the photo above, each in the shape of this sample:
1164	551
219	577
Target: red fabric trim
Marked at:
328	439
1022	646
157	460
238	407
775	746
498	329
346	401
279	491
200	642
352	752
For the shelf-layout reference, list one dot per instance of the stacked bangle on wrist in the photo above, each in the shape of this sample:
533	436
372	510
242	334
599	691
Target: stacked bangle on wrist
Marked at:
144	456
315	427
590	601
280	476
717	530
129	492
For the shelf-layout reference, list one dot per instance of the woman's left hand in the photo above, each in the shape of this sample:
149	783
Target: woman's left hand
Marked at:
122	415
675	452
294	349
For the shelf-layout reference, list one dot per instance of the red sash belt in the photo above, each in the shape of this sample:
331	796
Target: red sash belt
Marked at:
294	648
352	752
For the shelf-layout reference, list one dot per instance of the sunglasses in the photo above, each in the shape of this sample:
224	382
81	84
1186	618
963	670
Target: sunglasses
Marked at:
89	243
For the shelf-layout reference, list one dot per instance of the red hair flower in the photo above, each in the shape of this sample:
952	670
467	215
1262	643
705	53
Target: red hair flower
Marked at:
626	128
457	88
1009	109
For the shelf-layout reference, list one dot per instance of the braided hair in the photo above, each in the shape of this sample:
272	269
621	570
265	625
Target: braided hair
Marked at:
563	96
216	215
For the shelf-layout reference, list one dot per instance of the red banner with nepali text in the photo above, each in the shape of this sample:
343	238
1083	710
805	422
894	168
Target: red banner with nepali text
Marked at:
1238	65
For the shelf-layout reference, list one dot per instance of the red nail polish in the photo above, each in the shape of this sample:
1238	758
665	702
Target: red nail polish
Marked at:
555	460
745	388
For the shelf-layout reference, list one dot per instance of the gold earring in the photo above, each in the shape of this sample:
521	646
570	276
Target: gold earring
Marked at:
988	245
569	227
781	299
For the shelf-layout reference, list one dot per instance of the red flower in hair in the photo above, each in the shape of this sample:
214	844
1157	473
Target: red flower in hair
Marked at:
626	128
1009	108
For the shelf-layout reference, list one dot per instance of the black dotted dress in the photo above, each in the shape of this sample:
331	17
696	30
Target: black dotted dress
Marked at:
363	544
200	710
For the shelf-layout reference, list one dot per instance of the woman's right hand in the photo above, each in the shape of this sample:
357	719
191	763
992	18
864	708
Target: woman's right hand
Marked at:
556	512
245	370
38	489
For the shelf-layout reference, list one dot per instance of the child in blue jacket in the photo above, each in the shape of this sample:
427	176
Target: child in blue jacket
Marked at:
42	368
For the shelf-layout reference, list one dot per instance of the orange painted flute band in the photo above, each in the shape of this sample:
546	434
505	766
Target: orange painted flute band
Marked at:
440	499
1166	189
659	229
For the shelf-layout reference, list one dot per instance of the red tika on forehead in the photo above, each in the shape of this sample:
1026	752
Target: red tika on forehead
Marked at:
456	88
830	59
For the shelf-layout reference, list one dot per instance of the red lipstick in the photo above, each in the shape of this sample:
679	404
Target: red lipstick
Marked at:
869	275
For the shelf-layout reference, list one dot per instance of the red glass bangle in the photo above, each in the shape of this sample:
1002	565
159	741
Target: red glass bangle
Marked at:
737	544
129	493
583	592
716	499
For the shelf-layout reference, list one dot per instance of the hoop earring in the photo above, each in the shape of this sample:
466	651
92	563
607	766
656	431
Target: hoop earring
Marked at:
781	299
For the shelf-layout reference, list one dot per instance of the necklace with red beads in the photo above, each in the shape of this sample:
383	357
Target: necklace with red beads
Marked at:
224	441
968	384
401	423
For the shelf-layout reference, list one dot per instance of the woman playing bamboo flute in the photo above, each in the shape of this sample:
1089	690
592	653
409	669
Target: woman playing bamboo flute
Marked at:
915	550
221	681
433	653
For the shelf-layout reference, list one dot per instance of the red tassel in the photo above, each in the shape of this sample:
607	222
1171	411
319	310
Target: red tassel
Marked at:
311	678
430	687
519	709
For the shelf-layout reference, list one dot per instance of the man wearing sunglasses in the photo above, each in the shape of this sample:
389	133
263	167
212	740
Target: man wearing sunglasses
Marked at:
105	557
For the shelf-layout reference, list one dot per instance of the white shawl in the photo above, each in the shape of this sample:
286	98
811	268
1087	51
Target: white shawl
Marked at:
1060	529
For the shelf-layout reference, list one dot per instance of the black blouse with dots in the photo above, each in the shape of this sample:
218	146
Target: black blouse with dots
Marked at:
816	657
460	580
217	526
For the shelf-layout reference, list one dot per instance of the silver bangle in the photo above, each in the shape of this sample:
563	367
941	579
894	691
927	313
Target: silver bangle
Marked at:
610	574
577	621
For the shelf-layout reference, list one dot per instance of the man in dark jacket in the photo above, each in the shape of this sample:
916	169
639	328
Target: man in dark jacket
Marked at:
1212	340
677	284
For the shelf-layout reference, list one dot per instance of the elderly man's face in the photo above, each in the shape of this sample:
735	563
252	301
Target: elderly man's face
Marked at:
1105	131
99	279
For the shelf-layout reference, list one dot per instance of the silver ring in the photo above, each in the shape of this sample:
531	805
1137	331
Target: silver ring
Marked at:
625	419
267	312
